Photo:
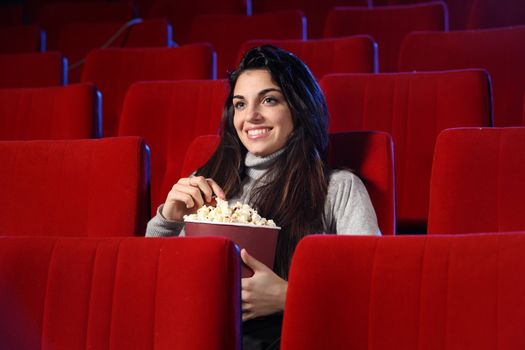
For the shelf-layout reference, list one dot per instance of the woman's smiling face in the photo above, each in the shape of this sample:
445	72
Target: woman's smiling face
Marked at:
262	117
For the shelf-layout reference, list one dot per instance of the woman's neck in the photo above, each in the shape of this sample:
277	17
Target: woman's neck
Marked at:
257	166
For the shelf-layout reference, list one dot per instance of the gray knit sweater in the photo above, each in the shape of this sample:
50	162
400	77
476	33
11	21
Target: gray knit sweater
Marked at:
348	210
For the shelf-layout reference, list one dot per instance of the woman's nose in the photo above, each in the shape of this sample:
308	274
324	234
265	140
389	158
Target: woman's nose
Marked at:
254	113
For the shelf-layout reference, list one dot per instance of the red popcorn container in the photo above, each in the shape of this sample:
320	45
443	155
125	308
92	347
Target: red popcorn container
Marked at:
259	241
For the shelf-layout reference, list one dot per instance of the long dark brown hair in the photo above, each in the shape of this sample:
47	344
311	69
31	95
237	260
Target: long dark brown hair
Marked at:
295	196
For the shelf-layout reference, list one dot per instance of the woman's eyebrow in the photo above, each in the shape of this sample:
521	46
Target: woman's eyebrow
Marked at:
262	92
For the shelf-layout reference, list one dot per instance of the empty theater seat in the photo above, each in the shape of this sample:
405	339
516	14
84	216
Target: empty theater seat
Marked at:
33	70
477	181
315	11
406	293
119	293
74	187
227	33
500	51
388	25
169	115
114	70
69	112
413	108
354	54
18	39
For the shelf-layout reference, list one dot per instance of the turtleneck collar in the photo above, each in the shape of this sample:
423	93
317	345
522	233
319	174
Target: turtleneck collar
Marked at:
257	166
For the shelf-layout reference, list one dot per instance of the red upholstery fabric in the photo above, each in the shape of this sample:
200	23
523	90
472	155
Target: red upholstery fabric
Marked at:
181	14
523	120
70	112
413	108
500	51
315	11
370	155
119	293
388	25
73	188
198	153
32	70
169	115
114	70
52	16
356	54
12	14
490	14
406	293
227	33
477	181
17	39
75	40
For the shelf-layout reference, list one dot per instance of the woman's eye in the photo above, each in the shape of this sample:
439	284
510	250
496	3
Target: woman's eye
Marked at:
270	100
238	105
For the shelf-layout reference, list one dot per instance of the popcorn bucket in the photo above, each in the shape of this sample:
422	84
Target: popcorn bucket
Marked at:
259	241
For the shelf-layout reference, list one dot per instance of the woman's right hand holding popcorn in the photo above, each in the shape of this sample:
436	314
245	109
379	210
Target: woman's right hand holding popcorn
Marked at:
188	195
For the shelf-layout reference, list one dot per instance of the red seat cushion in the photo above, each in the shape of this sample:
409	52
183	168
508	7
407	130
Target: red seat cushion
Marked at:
32	70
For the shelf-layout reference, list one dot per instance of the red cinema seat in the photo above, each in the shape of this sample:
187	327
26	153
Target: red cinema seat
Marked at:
491	14
119	293
33	70
356	54
70	112
74	187
53	15
199	152
114	70
388	25
169	115
406	293
500	51
227	33
181	14
75	40
413	108
18	39
315	11
11	14
477	181
370	155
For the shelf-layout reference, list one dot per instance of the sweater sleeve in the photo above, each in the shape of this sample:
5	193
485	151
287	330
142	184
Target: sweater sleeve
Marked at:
158	226
348	208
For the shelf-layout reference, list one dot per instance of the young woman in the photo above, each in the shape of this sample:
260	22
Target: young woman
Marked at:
271	156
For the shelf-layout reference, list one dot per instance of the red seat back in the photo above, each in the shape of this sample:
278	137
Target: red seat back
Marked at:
181	14
199	152
18	39
388	25
356	54
119	293
75	40
169	115
477	181
114	70
406	293
315	11
370	155
413	108
74	187
71	112
32	70
227	33
500	51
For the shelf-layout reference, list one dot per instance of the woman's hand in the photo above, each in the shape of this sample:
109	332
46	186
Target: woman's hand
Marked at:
262	294
188	195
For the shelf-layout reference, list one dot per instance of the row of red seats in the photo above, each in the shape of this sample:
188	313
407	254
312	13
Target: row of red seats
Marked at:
474	14
406	293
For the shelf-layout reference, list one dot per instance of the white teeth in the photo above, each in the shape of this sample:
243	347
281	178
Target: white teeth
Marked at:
255	132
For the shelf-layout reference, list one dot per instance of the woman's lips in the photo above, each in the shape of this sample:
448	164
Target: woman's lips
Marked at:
258	133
